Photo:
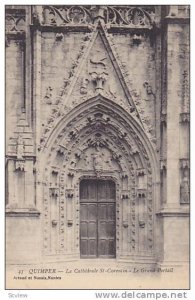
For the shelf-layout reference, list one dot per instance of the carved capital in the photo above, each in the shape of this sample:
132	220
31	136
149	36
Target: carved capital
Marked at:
71	173
141	172
163	164
69	194
141	193
54	172
125	224
164	118
184	163
70	223
54	192
184	117
61	150
20	165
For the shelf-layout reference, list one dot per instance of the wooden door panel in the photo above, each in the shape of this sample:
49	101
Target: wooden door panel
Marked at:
83	212
110	230
84	247
106	229
92	230
102	211
102	230
88	191
88	230
92	212
111	248
92	248
106	191
102	190
97	219
102	248
84	229
111	214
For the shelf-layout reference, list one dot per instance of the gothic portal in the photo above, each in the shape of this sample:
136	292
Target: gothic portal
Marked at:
97	138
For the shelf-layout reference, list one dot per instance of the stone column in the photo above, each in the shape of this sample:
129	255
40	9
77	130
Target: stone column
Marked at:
173	115
29	184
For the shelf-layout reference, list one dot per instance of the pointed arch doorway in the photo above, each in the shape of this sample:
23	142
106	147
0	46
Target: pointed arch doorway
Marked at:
97	218
99	141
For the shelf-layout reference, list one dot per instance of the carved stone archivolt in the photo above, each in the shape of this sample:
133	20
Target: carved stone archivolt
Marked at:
99	140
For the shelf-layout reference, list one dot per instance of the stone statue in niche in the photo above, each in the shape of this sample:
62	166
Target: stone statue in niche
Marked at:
20	147
97	161
185	187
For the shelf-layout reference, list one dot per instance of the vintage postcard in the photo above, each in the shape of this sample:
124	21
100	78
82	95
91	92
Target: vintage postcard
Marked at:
97	146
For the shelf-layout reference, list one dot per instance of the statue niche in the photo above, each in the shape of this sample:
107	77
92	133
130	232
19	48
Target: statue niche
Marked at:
185	187
98	161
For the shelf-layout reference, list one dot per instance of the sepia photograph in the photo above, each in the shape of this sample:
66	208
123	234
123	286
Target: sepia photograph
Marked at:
97	109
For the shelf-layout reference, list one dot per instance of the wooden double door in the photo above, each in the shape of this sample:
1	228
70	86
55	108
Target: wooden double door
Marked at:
97	219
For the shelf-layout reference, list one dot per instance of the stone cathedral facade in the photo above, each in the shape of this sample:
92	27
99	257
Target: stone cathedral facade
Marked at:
97	133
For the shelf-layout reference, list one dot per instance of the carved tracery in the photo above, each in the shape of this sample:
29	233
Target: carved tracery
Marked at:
99	143
132	17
